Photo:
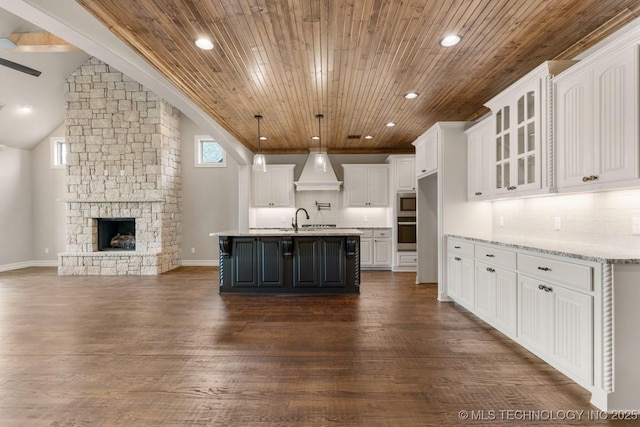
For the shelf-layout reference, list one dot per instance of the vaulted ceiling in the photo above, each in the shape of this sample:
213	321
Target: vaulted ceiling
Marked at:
352	60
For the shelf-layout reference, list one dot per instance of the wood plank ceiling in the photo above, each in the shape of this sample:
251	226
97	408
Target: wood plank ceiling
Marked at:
352	60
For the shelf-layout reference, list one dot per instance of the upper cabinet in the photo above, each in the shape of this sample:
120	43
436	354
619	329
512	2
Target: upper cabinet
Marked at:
274	188
521	134
366	185
426	153
403	173
479	160
597	120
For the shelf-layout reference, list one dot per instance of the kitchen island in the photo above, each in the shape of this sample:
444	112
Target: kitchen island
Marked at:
288	261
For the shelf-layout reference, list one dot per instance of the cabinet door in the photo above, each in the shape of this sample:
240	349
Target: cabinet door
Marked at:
526	139
270	262
534	315
480	161
574	129
306	253
382	252
281	187
616	99
421	157
572	332
244	261
517	141
356	186
405	173
262	185
454	275
485	291
432	151
332	262
366	252
502	165
506	302
378	186
468	294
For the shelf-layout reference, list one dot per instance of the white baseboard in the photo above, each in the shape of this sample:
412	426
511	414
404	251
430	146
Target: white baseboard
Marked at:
200	263
44	263
26	264
54	263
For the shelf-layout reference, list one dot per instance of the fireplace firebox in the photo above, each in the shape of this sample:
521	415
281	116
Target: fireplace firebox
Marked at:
116	234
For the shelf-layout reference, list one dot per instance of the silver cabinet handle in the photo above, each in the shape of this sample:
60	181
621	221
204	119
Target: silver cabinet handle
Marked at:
544	268
458	259
490	270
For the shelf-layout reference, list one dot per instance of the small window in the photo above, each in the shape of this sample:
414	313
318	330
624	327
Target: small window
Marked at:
209	153
59	153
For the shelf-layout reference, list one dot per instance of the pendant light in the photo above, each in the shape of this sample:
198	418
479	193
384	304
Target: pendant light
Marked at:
321	160
259	162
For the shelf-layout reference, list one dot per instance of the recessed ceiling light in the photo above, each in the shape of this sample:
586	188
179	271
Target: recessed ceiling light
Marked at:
26	108
368	137
450	40
316	137
204	43
411	95
390	124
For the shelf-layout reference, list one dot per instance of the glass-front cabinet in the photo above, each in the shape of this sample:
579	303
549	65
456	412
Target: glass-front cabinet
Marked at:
518	126
521	126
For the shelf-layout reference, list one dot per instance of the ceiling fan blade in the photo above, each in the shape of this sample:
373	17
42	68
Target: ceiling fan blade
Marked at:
19	67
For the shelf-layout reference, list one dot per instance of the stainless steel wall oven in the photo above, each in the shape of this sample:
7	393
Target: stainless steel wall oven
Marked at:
406	222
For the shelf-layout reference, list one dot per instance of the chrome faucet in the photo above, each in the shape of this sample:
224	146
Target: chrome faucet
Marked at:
294	221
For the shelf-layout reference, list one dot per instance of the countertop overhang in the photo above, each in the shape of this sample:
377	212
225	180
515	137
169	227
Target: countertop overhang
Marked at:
271	232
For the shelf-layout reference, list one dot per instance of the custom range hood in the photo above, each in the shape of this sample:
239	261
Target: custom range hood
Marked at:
317	180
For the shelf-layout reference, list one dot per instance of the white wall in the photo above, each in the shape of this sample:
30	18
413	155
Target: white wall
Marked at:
48	207
602	218
209	200
15	208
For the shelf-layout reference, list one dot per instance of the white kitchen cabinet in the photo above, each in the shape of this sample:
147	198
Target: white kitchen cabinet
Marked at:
406	261
426	153
274	188
404	174
597	119
556	323
495	299
375	248
521	128
480	159
461	273
366	185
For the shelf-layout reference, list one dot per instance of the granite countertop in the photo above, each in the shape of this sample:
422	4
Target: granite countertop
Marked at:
289	232
596	253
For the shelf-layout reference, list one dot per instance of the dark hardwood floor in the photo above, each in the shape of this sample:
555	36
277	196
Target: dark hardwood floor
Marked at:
169	350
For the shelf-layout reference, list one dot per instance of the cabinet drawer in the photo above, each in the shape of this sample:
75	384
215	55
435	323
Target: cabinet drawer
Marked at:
366	233
410	259
461	246
381	233
579	277
492	255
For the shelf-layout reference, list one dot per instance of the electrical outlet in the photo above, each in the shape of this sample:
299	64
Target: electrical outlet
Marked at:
501	221
46	250
635	225
557	223
193	250
365	219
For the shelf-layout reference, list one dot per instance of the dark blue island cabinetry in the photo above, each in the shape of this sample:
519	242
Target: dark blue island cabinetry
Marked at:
288	262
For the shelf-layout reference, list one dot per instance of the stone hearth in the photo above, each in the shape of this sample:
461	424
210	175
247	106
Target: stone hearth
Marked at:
124	162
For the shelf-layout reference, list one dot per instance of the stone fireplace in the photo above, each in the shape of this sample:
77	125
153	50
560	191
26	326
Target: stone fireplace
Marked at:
124	164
